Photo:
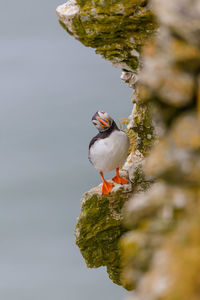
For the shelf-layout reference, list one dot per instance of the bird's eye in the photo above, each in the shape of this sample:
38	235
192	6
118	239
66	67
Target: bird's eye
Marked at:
106	120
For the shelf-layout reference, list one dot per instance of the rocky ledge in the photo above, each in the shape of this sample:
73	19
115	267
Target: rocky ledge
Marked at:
147	233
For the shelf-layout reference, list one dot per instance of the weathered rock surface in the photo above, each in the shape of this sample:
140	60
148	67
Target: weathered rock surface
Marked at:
117	30
99	228
147	234
164	221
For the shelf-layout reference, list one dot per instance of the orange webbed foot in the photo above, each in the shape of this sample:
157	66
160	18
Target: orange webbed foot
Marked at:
118	179
106	187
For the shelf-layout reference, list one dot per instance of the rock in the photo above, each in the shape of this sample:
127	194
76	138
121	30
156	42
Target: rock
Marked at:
147	233
136	254
66	13
175	267
181	17
168	212
117	30
155	282
100	227
185	132
141	124
177	153
153	216
174	86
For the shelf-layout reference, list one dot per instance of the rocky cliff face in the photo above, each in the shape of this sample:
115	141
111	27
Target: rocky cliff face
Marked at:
147	233
165	219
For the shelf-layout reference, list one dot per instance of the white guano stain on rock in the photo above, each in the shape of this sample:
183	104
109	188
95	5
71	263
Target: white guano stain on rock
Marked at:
66	12
129	77
135	53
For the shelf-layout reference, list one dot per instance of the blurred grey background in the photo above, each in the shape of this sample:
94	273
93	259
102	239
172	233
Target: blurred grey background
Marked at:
50	86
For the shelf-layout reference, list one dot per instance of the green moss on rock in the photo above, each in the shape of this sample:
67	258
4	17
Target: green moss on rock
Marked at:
117	29
99	229
113	28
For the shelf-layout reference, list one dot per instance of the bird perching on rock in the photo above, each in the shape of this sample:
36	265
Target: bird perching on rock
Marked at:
108	150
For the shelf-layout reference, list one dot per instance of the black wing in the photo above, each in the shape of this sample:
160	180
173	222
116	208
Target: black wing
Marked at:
93	140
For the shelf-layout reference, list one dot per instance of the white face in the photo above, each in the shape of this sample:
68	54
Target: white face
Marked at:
102	120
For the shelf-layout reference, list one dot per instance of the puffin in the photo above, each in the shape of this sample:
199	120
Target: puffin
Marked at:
108	150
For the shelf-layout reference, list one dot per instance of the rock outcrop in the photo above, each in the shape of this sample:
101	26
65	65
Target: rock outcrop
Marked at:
99	228
117	30
164	221
147	233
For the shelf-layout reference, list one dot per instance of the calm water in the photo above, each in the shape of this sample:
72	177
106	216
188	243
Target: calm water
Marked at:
50	86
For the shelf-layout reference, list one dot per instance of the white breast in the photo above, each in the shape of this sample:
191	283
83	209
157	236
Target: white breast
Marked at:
110	153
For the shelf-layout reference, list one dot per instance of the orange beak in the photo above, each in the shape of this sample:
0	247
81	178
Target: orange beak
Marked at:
103	122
